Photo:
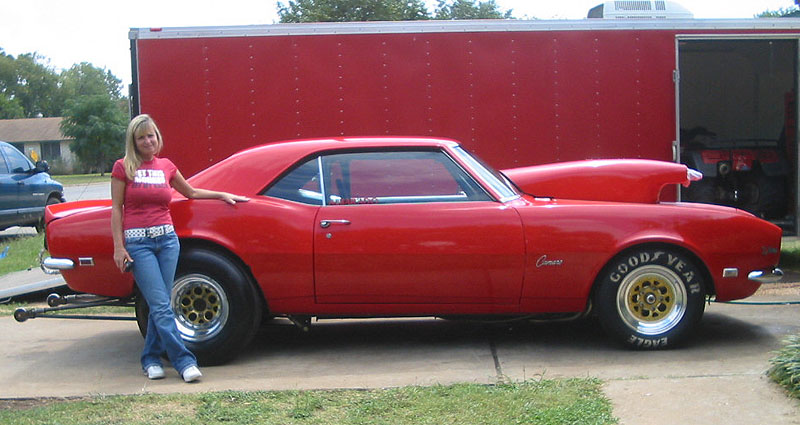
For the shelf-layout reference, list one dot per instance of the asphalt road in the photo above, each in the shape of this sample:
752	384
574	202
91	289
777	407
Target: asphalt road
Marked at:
718	378
88	191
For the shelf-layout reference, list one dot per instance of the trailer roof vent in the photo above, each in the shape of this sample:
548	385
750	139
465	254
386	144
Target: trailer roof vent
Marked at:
640	9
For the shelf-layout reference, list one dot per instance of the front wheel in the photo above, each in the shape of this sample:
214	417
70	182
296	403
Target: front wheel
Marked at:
216	307
650	298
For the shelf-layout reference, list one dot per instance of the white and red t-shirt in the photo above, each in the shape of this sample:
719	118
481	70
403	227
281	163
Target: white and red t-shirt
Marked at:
147	196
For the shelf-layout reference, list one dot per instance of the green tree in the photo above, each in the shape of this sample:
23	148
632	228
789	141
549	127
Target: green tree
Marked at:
84	79
788	12
470	9
28	87
351	10
37	86
10	106
97	125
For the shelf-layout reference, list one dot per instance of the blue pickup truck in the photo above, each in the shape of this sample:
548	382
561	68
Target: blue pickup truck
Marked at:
25	189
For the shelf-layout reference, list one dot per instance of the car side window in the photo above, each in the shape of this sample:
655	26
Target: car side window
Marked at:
3	165
397	177
300	184
17	163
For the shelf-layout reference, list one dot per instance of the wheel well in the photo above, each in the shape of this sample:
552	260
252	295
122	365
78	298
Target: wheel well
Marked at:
190	244
708	282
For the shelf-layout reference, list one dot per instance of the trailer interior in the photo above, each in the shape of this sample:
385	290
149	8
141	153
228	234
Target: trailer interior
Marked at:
738	123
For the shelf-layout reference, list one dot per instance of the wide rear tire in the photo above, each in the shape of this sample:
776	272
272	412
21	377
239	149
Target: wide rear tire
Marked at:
650	298
217	308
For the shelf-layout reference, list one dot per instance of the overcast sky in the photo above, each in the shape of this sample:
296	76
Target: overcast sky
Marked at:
96	31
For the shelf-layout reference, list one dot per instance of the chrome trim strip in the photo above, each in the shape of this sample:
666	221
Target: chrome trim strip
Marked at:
766	276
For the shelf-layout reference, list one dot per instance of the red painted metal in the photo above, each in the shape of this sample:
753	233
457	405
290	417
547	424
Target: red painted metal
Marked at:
600	180
525	255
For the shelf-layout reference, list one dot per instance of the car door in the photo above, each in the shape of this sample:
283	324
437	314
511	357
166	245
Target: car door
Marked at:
412	227
30	196
8	194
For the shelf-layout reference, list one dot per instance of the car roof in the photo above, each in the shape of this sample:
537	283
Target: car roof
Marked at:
235	173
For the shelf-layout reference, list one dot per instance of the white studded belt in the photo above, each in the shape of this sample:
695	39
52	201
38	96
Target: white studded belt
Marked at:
149	232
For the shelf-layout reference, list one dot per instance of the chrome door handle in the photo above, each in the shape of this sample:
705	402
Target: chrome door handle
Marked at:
327	223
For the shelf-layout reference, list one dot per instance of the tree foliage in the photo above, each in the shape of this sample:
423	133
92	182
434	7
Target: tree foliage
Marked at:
351	10
788	12
28	87
386	10
469	9
97	125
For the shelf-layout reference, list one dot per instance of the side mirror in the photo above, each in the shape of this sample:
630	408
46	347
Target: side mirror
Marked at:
42	167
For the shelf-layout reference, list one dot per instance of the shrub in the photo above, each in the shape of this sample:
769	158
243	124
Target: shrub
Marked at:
785	368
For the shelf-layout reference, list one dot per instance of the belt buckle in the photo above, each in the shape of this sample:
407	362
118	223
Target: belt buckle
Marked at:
155	231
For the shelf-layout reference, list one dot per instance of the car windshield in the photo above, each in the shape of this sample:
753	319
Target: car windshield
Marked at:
498	182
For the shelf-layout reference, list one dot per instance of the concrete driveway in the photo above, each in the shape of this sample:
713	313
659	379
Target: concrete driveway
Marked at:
718	378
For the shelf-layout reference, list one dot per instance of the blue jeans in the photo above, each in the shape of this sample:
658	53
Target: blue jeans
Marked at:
154	264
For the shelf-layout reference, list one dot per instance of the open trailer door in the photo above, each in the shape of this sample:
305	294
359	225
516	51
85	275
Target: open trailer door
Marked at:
738	122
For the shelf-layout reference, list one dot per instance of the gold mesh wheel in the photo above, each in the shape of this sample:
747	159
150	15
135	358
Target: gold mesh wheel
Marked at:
200	305
651	300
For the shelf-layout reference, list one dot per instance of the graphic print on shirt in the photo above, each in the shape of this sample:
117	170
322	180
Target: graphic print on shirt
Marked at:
149	179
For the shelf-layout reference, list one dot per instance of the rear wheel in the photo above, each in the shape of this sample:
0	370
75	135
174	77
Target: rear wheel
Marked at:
650	298
217	308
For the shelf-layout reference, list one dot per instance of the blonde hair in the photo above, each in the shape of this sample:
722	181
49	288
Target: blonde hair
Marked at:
138	126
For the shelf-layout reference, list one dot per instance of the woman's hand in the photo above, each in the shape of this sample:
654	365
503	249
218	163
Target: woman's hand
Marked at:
120	257
233	199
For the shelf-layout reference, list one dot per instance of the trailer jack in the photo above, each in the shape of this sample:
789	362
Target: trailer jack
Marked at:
58	303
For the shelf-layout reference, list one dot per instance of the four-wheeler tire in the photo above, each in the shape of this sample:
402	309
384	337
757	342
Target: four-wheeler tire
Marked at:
764	196
650	298
216	306
703	191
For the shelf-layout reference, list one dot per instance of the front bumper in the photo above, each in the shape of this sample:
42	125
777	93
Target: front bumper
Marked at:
772	275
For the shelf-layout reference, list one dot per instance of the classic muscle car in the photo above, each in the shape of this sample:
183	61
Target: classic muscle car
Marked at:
382	227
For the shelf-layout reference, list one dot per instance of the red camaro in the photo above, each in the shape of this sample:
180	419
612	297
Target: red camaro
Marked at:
368	227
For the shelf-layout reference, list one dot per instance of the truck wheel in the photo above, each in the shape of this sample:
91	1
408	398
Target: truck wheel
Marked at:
40	224
650	298
217	308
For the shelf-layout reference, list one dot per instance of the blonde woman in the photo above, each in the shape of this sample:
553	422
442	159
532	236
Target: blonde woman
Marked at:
145	240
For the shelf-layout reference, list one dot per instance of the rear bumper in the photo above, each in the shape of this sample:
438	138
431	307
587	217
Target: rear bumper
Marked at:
52	265
772	275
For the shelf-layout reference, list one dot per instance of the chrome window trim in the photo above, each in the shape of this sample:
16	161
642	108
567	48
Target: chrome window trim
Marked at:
486	176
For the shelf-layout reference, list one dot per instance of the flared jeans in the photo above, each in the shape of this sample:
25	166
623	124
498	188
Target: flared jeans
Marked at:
154	263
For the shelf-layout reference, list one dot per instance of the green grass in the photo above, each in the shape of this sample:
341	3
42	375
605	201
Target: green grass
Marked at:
790	254
75	179
785	368
23	253
570	401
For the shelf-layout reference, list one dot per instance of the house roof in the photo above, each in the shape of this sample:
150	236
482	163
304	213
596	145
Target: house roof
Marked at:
31	130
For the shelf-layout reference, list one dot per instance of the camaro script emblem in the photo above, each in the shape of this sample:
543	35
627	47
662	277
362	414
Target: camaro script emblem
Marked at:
543	261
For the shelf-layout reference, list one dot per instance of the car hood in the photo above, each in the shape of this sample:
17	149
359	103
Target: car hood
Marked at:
617	180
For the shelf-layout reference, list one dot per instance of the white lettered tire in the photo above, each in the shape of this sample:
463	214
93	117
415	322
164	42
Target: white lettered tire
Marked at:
650	298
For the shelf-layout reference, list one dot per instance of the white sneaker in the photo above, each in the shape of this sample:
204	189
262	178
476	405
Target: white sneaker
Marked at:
191	374
154	372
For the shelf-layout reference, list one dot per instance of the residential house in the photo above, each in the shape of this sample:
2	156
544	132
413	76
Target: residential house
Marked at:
43	136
